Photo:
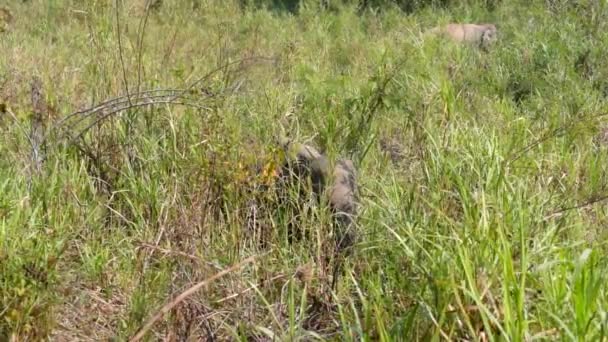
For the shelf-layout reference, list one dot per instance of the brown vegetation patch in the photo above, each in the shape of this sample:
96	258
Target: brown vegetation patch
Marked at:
87	314
393	148
6	18
601	139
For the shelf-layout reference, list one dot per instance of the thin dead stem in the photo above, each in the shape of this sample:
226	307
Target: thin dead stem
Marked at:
181	297
585	204
122	61
140	44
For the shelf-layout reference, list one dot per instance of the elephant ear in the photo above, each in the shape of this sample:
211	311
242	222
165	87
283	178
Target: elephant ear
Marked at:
283	140
487	37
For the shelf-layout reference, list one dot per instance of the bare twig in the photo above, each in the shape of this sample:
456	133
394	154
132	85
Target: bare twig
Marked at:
122	62
154	97
167	307
121	103
140	45
224	67
169	48
135	105
556	133
117	100
587	203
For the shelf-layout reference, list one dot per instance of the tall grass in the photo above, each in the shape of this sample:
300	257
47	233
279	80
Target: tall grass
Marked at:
482	174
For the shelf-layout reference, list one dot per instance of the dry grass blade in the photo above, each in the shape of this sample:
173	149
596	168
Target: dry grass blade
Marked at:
178	253
235	295
20	127
167	307
303	273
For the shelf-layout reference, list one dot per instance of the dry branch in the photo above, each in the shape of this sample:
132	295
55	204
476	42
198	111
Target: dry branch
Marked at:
171	96
167	307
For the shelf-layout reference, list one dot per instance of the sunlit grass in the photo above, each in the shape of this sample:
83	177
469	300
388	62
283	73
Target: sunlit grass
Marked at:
482	174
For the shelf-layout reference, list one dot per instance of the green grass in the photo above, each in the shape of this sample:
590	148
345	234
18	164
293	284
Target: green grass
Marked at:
487	223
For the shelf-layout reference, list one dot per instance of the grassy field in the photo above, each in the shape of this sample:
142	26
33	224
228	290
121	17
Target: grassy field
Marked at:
482	174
